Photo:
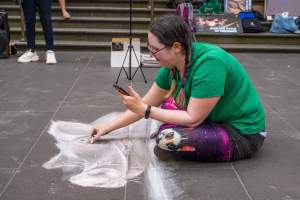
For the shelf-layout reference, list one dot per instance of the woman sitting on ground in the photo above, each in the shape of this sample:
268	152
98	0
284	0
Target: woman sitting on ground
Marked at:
203	95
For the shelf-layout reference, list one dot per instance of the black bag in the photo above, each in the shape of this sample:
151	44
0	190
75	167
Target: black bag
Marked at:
4	45
252	26
4	35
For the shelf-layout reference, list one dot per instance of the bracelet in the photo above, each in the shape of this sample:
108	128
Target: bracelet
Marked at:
147	112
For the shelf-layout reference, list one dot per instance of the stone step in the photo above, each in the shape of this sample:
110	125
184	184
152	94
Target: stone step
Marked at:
101	22
80	11
105	35
106	46
264	38
118	3
90	22
99	2
83	34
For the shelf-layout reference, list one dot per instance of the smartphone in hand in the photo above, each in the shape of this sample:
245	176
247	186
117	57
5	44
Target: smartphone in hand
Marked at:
121	90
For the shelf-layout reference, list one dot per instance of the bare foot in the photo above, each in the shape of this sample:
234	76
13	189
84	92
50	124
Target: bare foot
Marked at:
66	15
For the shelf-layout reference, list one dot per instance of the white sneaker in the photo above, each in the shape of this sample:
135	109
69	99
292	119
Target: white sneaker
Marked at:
50	57
28	56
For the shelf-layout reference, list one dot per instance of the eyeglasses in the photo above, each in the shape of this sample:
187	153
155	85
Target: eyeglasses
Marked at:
154	50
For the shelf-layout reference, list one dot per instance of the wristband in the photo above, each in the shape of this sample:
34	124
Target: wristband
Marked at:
147	112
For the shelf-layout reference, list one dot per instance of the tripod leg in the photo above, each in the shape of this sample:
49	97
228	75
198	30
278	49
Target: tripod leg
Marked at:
135	56
139	67
122	68
124	61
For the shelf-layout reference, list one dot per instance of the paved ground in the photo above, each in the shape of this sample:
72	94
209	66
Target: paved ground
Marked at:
80	88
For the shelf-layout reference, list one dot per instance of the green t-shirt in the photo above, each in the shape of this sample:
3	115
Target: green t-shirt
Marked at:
214	72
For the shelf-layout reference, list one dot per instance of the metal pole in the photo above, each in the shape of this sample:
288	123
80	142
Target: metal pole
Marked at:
130	38
265	9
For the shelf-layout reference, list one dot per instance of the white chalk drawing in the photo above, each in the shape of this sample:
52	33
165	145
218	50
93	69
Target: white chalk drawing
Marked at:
121	156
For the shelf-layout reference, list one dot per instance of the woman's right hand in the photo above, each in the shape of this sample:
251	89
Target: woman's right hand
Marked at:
96	134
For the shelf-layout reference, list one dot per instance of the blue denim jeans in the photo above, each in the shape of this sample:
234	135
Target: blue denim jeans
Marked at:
30	8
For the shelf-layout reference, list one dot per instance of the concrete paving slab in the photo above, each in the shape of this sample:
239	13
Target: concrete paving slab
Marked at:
276	79
95	88
216	182
5	174
286	65
272	174
19	131
43	89
209	183
100	62
84	113
36	183
11	75
276	124
136	190
279	93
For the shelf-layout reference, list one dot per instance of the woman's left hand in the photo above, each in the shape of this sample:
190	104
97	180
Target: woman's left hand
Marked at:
134	102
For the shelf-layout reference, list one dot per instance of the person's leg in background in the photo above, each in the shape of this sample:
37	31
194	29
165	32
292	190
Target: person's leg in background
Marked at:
29	8
45	16
64	11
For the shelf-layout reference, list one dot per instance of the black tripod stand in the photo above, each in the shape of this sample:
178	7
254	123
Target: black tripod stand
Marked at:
130	49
